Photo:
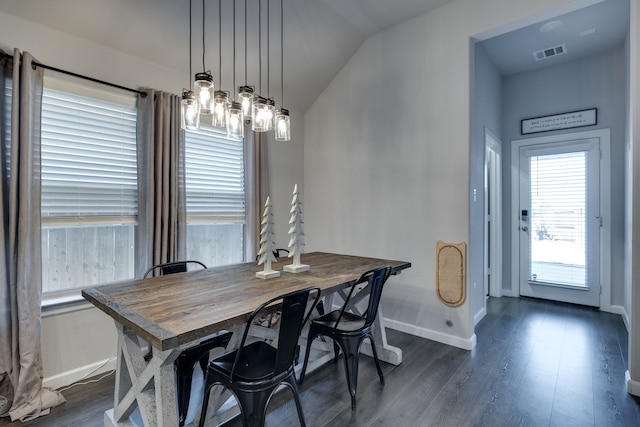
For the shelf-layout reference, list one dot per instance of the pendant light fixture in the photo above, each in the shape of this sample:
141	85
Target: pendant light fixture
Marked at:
235	119
282	123
270	104
203	83
221	98
259	105
189	107
245	93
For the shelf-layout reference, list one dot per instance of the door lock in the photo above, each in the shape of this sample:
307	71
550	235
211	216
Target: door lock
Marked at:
525	228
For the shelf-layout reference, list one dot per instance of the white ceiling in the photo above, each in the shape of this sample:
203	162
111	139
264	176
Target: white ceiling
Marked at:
320	35
512	52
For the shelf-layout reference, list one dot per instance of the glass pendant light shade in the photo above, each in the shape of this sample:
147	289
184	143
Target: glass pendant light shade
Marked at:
235	120
221	99
259	114
189	111
283	125
203	88
271	114
245	95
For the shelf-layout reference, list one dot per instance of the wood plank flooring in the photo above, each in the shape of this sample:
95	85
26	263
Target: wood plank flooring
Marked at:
536	363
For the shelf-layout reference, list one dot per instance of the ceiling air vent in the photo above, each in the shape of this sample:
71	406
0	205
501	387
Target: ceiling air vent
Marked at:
549	52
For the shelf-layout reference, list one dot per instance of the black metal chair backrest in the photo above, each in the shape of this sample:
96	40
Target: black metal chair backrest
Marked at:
295	311
172	267
376	279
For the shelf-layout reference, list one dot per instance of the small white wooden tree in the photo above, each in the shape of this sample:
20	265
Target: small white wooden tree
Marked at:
296	239
265	254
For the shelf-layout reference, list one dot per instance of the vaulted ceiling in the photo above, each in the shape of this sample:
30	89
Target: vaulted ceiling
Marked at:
319	35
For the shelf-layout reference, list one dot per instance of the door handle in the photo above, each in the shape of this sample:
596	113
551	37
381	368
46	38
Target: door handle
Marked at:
525	228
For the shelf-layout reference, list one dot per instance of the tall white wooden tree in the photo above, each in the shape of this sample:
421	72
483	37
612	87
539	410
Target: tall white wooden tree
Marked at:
296	234
265	254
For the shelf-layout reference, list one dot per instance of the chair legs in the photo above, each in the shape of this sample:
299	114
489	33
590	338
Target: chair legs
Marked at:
253	404
185	364
310	339
184	376
375	358
350	351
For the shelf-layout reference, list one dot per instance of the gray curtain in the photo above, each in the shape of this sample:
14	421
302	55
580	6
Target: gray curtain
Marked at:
22	396
161	181
256	176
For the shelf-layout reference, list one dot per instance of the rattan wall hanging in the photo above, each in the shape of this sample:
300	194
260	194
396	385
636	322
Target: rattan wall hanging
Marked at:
450	272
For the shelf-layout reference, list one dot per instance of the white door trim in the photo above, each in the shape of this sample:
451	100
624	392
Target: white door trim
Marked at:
605	206
493	143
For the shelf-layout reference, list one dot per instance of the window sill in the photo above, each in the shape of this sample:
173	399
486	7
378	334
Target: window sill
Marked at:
64	302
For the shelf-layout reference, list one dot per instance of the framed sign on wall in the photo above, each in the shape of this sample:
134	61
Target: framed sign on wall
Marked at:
573	119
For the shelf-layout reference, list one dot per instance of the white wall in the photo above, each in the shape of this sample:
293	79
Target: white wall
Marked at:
286	165
486	113
76	341
633	385
387	155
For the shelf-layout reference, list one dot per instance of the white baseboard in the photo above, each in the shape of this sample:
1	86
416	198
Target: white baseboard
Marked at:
74	375
633	387
479	315
619	309
463	343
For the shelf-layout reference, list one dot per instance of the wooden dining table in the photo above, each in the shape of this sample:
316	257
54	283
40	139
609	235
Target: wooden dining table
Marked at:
177	311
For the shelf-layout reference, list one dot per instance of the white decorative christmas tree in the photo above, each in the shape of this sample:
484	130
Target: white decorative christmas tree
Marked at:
296	239
265	254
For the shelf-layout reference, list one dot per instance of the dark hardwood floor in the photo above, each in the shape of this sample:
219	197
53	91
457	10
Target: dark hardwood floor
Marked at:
536	363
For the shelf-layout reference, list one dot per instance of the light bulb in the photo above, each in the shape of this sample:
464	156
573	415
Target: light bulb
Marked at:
189	111
283	125
235	126
204	96
220	109
270	110
203	86
258	113
246	104
245	94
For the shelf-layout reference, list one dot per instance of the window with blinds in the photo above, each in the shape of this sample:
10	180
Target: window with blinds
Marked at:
89	186
558	219
214	167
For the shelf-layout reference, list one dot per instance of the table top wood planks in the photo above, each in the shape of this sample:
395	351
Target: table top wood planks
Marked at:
173	310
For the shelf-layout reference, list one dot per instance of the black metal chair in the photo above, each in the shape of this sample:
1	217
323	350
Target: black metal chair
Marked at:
186	361
277	253
173	267
256	369
348	330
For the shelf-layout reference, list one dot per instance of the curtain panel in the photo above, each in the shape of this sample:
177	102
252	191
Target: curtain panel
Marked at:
161	231
22	396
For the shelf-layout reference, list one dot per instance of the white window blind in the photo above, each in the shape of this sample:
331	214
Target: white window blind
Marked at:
214	176
214	166
88	156
6	122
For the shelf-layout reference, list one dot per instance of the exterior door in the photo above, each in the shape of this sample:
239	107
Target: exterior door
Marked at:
559	221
